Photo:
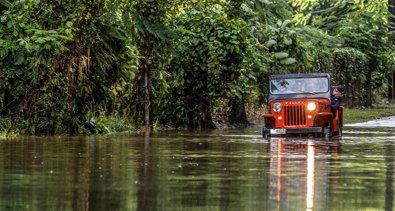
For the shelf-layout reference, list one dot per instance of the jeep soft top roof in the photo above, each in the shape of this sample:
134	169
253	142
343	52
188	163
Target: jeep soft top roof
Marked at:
301	95
300	75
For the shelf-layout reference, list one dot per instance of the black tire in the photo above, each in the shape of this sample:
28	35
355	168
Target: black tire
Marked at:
266	131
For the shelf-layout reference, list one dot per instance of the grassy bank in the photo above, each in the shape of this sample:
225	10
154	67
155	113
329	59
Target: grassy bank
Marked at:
353	115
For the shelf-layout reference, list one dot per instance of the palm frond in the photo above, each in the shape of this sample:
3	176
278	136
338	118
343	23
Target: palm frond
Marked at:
5	3
159	31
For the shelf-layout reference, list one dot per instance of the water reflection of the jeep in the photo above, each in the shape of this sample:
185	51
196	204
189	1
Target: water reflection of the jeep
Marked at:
300	104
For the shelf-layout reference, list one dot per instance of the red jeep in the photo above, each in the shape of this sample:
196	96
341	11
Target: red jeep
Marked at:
301	104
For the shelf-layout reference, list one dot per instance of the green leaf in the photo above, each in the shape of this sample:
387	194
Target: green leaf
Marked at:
268	2
246	8
281	55
287	41
279	23
270	43
237	49
288	61
40	40
285	23
19	60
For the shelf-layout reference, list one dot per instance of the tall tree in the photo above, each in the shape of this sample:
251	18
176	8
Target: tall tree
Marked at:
391	77
207	66
152	39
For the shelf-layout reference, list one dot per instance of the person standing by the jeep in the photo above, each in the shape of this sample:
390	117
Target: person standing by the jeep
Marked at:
336	97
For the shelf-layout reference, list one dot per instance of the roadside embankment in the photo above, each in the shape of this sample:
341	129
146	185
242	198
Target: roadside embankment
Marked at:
383	122
371	115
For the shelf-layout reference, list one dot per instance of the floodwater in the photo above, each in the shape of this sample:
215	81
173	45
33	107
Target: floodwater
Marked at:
213	170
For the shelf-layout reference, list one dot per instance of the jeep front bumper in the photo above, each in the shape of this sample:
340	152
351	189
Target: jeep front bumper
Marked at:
284	131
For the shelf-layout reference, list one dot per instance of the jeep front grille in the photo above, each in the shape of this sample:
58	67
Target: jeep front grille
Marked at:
294	115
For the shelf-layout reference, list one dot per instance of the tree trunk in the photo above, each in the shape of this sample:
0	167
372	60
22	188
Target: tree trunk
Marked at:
207	121
391	81
141	104
391	87
147	100
7	103
237	115
368	87
199	117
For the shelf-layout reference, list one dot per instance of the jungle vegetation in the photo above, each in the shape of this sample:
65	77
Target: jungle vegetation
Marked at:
179	63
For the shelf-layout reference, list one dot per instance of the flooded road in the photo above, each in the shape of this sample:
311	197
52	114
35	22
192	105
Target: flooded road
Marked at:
217	170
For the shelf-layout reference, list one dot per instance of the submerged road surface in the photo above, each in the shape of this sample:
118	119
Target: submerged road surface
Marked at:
232	170
383	122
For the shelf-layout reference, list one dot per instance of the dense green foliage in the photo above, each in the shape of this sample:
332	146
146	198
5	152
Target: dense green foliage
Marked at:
360	33
356	64
178	63
61	62
208	64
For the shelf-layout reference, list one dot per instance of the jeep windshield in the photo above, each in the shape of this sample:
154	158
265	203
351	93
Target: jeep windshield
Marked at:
299	85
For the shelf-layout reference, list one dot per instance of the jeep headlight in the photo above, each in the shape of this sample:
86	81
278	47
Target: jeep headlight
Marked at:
277	107
311	106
